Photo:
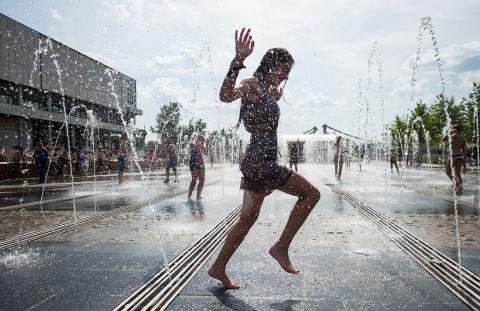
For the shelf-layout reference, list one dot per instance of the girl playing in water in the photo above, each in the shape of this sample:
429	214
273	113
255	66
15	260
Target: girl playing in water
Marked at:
261	172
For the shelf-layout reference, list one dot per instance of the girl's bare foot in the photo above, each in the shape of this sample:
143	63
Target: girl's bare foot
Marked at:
281	256
223	277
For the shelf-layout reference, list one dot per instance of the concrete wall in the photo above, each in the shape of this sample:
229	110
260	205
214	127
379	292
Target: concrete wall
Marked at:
80	76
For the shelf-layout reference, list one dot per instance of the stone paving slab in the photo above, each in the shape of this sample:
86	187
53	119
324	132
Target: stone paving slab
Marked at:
345	263
429	218
96	267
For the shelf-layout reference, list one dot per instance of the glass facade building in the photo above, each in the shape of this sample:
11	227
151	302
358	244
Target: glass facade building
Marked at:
41	80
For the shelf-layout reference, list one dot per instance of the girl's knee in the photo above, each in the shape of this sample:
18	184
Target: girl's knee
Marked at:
312	196
315	195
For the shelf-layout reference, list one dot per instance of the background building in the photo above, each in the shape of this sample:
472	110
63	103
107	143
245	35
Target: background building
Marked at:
40	76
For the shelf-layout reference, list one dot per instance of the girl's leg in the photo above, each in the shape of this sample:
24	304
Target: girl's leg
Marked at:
167	173
340	166
201	182
252	202
308	197
448	169
193	182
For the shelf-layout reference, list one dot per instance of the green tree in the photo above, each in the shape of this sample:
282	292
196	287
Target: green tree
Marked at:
439	117
398	130
420	121
472	107
192	129
433	117
167	122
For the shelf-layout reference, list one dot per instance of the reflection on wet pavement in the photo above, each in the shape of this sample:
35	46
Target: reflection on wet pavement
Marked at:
342	256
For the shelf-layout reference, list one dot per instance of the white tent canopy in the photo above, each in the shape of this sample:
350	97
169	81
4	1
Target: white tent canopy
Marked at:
309	137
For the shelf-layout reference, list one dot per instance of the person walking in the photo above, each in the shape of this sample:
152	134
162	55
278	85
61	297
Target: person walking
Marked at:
457	152
41	160
3	156
197	166
338	158
262	174
393	160
172	161
82	161
122	156
294	156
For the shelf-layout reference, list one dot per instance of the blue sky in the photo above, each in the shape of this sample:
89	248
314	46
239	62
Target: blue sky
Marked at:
180	50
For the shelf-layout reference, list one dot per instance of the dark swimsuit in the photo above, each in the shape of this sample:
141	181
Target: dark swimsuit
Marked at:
260	169
196	160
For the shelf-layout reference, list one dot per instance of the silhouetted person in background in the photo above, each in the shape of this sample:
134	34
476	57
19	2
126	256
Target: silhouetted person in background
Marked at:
122	158
338	158
361	156
172	161
418	158
455	157
3	156
197	166
41	160
82	164
393	160
18	159
294	156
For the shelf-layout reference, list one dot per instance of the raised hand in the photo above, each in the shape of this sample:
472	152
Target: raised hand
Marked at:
243	45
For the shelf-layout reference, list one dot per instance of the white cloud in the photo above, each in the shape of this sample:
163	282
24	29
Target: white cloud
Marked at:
306	99
125	11
159	43
168	87
402	86
467	78
165	60
454	56
169	64
187	60
56	15
460	63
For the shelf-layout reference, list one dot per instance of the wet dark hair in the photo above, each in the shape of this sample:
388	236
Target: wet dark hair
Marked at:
456	127
272	58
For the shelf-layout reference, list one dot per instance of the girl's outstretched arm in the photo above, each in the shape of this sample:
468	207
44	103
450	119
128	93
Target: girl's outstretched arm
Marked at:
243	48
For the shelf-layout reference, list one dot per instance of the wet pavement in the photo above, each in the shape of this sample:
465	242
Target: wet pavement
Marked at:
411	202
346	263
29	195
105	195
96	267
